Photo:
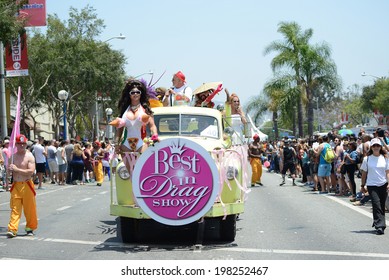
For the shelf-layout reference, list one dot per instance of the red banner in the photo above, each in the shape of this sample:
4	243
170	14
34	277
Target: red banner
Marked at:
35	12
16	57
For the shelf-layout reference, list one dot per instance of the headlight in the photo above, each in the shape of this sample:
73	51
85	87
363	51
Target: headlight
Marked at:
232	172
123	173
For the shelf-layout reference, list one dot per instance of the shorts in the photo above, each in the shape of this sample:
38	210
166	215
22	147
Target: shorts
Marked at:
53	166
88	166
306	169
289	165
324	170
62	168
40	167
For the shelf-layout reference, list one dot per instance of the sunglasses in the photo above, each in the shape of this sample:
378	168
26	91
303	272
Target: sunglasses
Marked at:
135	92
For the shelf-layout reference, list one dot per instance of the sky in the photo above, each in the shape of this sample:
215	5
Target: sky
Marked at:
224	40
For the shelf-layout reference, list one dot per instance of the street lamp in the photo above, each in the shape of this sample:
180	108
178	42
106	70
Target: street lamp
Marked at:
97	126
364	75
121	37
108	112
63	96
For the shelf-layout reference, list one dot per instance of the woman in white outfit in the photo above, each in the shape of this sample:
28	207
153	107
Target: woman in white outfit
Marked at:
135	110
375	175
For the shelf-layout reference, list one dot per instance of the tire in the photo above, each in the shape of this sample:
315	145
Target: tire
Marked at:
127	229
228	228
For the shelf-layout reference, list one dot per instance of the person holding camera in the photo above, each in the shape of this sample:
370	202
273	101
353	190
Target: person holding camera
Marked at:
380	134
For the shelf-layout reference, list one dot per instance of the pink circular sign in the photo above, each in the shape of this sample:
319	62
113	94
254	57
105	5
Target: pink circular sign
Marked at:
176	181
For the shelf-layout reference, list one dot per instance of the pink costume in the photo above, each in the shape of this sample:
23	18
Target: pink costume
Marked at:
134	128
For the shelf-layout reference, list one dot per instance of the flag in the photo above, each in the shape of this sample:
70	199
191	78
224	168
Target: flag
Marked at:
16	129
16	57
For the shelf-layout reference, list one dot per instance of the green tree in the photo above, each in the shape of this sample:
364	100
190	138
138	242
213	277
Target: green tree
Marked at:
380	102
69	57
10	25
374	98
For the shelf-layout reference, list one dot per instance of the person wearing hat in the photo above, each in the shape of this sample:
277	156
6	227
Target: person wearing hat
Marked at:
201	97
22	190
255	153
98	155
375	176
288	157
180	93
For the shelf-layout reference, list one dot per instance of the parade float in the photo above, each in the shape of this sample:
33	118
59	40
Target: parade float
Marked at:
194	178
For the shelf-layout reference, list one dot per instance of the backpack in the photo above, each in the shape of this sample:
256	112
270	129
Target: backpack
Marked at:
329	154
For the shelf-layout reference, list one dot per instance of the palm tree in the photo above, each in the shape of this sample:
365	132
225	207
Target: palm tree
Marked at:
318	75
278	95
283	94
312	68
289	58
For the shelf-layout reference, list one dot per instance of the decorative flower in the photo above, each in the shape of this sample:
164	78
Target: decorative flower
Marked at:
152	140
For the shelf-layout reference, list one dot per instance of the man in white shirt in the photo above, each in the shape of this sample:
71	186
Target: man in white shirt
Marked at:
52	161
40	160
180	93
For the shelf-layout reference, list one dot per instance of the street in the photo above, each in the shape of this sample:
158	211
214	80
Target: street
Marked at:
279	223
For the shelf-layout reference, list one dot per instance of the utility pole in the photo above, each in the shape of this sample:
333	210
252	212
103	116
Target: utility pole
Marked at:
3	110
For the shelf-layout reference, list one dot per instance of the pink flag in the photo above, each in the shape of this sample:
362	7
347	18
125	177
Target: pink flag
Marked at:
16	129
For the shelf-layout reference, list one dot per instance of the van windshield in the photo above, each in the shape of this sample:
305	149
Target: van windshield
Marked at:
187	125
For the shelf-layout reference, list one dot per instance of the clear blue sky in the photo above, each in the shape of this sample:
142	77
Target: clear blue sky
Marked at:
223	40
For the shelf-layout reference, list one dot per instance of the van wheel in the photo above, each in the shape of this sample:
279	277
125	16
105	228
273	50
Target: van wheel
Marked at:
228	228
127	229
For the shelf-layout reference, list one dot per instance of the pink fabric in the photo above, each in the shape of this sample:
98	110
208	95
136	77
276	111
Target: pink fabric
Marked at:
16	129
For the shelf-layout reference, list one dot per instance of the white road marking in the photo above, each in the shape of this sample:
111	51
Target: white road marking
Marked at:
86	199
63	208
240	250
306	252
103	192
360	209
71	241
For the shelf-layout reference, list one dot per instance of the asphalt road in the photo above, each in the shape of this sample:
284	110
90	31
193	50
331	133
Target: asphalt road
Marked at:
279	223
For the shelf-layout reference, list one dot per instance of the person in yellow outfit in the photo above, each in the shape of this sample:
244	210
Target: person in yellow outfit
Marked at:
98	155
22	190
255	153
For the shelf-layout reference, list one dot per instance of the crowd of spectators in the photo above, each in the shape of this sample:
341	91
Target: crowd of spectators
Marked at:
349	152
61	161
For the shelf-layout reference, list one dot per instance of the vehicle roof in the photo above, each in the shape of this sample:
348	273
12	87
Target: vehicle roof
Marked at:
187	110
